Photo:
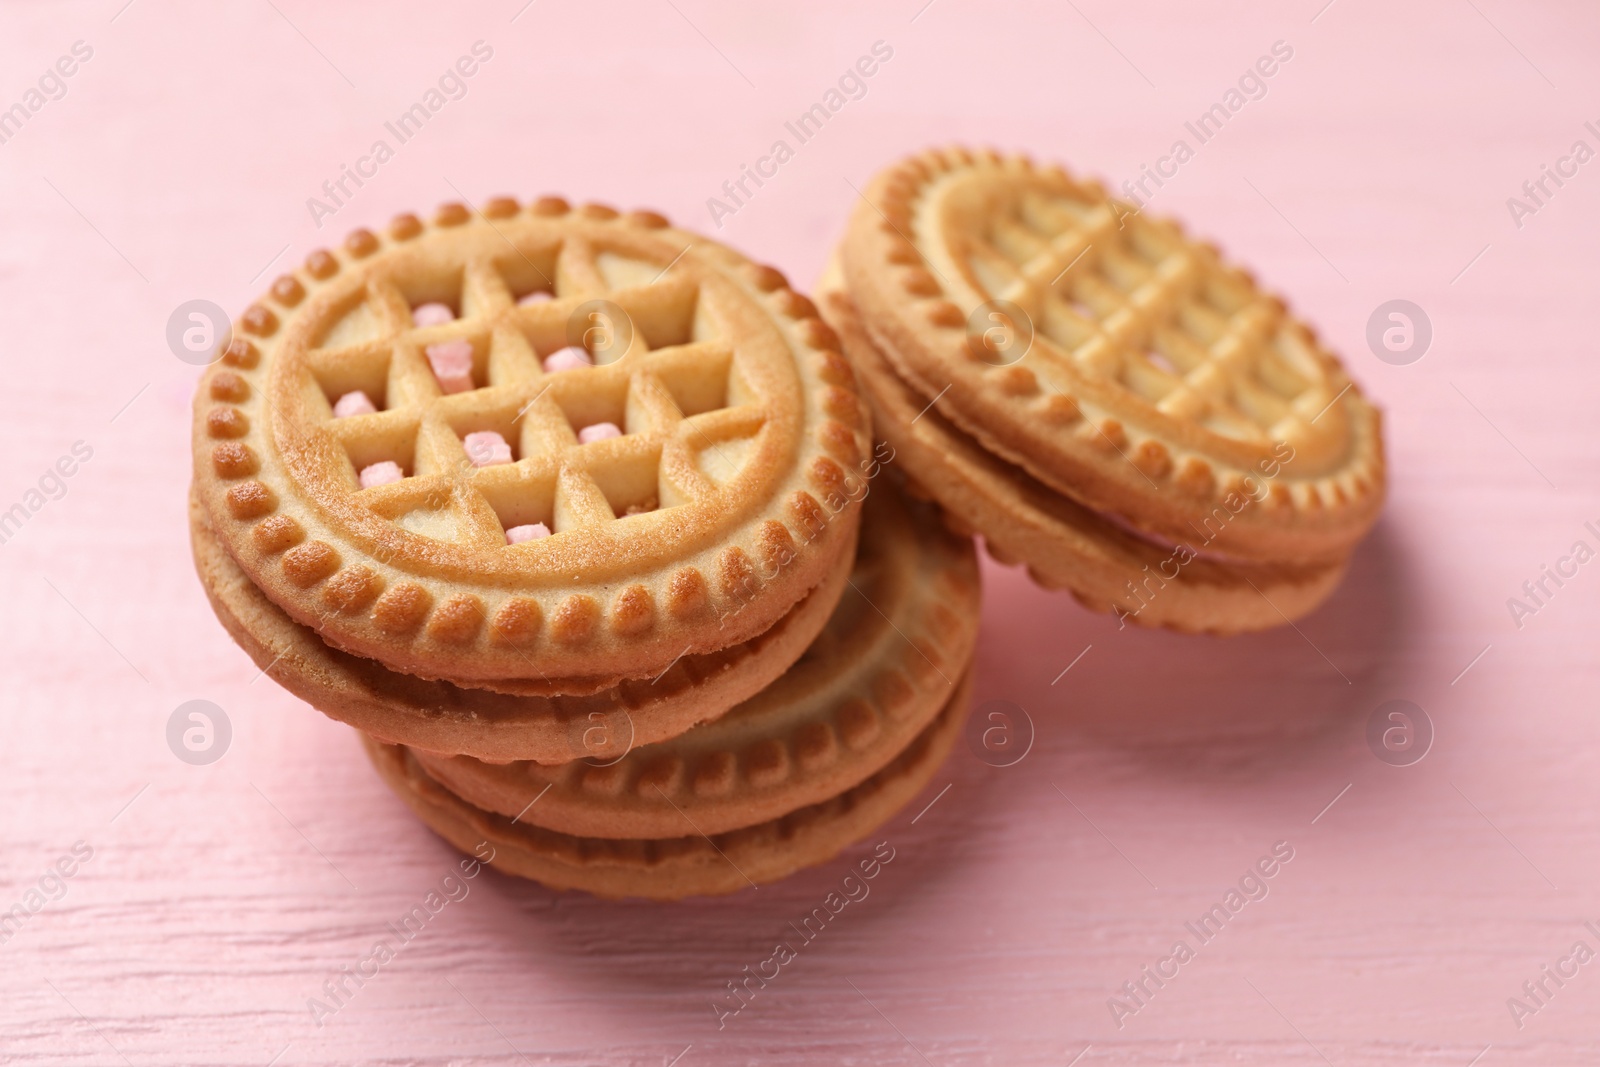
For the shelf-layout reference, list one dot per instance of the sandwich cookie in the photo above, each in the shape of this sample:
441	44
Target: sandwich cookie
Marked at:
531	442
599	723
1120	366
885	664
691	865
1063	544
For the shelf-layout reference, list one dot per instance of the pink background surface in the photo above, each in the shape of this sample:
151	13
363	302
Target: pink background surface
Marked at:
219	898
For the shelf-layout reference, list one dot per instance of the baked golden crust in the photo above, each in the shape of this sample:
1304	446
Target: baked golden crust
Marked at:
581	721
726	499
1063	544
1141	375
886	662
672	868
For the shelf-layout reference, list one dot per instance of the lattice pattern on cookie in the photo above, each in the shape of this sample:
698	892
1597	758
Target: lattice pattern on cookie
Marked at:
1129	299
1159	380
670	390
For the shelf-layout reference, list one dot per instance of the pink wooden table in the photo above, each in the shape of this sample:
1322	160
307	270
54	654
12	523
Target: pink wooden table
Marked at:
207	904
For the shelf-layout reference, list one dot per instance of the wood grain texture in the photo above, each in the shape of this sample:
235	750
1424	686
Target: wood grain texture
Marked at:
220	898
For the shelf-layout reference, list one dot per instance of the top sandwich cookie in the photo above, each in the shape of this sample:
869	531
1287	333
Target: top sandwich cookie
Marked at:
532	442
1111	357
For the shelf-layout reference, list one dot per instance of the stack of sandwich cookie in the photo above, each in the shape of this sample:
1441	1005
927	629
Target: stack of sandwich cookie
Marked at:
540	484
1101	397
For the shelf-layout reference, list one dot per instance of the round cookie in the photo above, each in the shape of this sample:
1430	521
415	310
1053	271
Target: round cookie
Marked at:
885	663
395	414
588	720
672	868
1113	358
1064	545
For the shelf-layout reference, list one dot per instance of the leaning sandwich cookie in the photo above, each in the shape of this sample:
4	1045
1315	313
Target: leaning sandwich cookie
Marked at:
689	865
1108	401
